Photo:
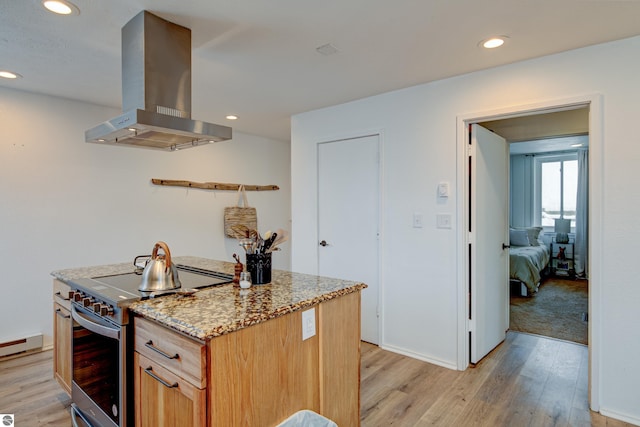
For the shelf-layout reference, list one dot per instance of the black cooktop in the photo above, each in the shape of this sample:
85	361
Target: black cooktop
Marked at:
123	288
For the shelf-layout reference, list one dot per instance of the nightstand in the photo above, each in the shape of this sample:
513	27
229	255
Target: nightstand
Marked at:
562	263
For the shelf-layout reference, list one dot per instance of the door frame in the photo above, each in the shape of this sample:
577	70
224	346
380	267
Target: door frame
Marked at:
596	193
346	137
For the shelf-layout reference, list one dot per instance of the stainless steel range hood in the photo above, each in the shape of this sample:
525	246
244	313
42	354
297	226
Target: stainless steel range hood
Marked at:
156	91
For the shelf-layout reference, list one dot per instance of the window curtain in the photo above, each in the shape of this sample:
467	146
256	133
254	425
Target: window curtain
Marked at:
582	210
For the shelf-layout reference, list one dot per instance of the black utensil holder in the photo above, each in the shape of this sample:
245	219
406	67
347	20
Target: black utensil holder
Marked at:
259	265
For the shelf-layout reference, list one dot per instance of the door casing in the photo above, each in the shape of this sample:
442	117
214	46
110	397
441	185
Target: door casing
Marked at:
594	102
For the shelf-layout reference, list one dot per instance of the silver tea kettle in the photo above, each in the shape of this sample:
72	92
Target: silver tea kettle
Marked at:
159	273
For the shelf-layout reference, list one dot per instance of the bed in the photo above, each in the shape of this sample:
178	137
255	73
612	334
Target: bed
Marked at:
527	262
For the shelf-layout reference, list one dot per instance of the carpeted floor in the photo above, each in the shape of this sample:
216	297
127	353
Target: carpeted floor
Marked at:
556	311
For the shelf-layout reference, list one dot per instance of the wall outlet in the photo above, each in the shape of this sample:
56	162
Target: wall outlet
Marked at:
443	221
418	220
308	323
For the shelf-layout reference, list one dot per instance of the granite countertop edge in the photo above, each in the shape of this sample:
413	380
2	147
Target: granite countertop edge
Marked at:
220	310
204	334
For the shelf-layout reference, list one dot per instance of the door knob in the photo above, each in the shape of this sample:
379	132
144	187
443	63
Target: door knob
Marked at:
323	243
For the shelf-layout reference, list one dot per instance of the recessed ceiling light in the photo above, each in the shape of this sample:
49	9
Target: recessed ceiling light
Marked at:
493	42
61	7
9	74
232	117
327	49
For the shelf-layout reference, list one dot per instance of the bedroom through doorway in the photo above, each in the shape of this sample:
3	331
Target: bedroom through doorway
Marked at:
548	187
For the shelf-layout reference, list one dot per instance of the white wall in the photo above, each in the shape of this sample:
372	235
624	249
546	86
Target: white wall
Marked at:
65	203
419	283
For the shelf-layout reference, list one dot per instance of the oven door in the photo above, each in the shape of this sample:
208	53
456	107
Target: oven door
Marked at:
98	369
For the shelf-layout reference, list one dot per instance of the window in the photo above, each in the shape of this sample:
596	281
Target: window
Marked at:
557	189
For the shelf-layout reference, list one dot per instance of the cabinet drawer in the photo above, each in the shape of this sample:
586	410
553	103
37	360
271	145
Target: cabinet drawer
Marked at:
183	356
61	294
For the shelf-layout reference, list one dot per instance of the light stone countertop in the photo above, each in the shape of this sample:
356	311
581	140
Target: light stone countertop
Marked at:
219	310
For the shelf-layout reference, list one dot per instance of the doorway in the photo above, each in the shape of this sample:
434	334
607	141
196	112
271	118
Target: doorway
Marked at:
465	178
548	287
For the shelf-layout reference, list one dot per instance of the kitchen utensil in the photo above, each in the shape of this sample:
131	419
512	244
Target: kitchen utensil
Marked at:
269	241
186	292
282	236
247	244
159	274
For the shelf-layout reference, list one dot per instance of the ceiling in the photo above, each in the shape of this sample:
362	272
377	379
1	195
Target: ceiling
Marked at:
257	59
558	130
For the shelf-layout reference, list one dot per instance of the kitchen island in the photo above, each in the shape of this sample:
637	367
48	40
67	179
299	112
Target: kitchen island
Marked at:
226	356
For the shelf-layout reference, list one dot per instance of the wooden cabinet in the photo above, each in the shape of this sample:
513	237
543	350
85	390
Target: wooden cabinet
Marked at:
264	373
62	335
169	378
163	398
256	376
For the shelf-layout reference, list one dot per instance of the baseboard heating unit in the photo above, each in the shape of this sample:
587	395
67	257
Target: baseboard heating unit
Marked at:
20	345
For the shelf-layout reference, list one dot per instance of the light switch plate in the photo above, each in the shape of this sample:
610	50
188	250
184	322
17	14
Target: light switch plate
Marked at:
308	323
443	220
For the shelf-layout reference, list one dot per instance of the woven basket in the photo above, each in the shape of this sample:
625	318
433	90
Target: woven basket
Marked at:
240	215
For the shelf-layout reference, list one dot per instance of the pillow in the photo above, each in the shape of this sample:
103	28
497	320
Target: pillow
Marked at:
533	234
518	237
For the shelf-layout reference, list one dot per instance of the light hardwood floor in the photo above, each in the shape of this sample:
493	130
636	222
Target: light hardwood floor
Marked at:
527	381
29	392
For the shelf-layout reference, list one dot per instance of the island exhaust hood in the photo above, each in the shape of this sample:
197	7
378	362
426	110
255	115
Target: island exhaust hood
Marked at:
156	91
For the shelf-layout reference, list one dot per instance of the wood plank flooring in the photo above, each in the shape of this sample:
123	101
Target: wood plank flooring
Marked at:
28	390
527	381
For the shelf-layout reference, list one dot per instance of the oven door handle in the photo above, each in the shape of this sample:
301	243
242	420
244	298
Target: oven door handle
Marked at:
75	414
86	322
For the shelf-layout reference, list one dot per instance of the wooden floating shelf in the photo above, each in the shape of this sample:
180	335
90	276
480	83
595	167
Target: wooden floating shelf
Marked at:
212	185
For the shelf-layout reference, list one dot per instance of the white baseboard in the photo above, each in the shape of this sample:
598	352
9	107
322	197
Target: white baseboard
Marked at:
622	417
413	355
20	345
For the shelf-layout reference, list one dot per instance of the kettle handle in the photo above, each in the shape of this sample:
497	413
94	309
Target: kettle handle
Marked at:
165	248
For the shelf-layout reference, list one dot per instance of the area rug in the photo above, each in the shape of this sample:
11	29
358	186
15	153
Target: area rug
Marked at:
557	310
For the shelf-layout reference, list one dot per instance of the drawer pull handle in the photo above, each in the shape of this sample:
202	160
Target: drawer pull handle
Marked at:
149	344
64	316
149	371
59	295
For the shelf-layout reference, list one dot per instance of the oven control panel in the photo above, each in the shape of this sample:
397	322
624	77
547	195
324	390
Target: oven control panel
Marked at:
92	303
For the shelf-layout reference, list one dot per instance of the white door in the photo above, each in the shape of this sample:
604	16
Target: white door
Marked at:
348	219
489	231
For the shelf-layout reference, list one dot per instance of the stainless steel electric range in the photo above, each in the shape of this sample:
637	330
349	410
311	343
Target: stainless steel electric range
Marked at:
102	342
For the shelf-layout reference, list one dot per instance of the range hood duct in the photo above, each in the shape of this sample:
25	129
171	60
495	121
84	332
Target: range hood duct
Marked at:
156	91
